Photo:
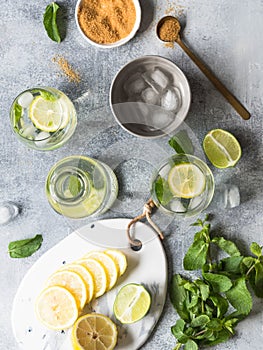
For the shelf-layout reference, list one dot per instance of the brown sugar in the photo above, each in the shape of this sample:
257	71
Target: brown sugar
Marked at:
67	69
106	21
169	30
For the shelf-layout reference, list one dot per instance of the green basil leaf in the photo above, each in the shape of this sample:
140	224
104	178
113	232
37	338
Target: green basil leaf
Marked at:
239	297
50	22
178	331
256	249
228	246
162	191
196	255
219	283
24	247
200	321
191	345
178	296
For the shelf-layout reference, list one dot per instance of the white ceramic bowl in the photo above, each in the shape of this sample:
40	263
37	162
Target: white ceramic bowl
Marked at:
119	42
131	115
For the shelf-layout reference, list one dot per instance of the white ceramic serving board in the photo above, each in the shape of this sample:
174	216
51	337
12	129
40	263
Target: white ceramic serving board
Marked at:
147	266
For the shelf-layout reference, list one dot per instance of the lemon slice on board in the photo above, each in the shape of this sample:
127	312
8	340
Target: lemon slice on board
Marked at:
94	332
56	308
222	148
73	282
109	265
85	275
132	303
47	115
186	180
119	259
98	273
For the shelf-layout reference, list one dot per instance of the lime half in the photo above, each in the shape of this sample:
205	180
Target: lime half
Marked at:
186	180
131	303
222	148
47	115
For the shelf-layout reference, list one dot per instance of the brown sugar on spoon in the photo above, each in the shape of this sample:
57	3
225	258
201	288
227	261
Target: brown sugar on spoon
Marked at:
169	30
106	21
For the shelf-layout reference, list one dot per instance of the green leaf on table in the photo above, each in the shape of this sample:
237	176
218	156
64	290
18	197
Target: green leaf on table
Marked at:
219	283
18	112
256	249
74	185
232	264
200	321
228	246
215	324
181	143
256	279
204	289
178	331
221	337
50	22
196	255
239	297
178	296
25	247
178	346
220	303
162	191
190	345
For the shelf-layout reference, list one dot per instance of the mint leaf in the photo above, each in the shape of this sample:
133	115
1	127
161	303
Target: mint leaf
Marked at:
18	112
228	246
24	247
50	22
196	255
204	289
178	296
256	279
191	345
162	191
221	337
232	265
219	283
256	249
221	304
178	331
239	297
48	96
182	143
74	185
200	321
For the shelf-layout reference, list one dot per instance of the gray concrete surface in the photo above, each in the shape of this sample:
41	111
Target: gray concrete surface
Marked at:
227	35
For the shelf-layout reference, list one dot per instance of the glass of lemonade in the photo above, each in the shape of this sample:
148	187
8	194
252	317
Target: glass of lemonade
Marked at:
79	186
183	185
43	118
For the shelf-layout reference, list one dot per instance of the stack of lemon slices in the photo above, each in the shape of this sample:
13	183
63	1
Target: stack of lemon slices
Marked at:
70	288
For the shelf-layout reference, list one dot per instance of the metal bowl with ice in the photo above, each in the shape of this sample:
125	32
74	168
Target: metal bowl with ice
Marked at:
150	97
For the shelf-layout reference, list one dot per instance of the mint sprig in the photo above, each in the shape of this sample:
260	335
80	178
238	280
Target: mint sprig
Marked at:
210	307
50	22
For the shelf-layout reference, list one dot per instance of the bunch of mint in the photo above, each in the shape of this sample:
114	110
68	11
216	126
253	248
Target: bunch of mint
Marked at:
210	307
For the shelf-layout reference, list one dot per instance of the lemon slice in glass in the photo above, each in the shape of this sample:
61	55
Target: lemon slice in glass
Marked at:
73	282
119	259
94	331
186	180
222	148
132	303
109	265
47	115
56	308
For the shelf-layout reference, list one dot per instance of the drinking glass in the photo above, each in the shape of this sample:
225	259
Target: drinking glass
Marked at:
79	186
43	118
183	185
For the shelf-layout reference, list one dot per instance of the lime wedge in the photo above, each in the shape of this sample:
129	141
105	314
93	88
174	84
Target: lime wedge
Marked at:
186	180
47	115
131	303
222	148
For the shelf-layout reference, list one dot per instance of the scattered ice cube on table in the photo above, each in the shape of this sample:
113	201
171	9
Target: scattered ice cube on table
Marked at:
160	78
134	85
233	197
8	211
25	99
171	99
150	96
42	138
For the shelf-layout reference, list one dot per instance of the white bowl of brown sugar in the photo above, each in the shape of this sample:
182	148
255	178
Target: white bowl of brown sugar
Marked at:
108	23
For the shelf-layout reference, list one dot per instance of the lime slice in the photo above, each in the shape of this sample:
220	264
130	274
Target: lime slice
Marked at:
222	148
186	180
131	303
47	115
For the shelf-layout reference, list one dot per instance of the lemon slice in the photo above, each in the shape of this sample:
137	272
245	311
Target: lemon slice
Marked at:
132	303
98	273
85	275
94	332
109	265
222	148
119	259
56	308
186	180
73	282
47	115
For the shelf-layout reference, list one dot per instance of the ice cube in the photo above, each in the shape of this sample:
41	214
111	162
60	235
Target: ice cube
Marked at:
159	118
177	207
150	96
159	78
8	211
171	99
29	131
42	139
151	83
25	99
233	197
134	85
